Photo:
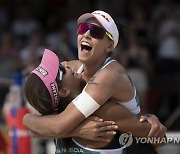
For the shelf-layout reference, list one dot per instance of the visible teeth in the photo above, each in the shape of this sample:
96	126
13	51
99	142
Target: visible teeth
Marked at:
85	43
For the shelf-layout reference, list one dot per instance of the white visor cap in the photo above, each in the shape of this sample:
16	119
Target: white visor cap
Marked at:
105	20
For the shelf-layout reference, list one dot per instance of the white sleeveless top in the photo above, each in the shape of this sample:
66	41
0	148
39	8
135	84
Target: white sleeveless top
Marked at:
133	105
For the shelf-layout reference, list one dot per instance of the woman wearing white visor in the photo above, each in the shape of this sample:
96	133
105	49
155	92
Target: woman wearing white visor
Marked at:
106	79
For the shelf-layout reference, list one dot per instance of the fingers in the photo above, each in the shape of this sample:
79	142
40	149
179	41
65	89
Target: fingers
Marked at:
143	118
157	129
161	132
154	129
108	128
155	125
107	134
95	118
105	123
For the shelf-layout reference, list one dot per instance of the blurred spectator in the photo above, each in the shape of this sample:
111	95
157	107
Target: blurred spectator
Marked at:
32	53
169	47
71	27
139	23
61	43
24	24
160	10
119	8
7	55
4	20
136	60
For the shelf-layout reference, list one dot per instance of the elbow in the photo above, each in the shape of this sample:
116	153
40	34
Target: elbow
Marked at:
25	120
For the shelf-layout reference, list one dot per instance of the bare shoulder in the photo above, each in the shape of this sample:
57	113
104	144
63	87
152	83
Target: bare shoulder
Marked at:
113	71
114	76
109	76
117	67
111	82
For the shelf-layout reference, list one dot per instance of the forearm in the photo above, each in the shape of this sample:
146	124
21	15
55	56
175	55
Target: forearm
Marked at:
36	135
137	128
53	126
48	133
124	119
42	126
130	123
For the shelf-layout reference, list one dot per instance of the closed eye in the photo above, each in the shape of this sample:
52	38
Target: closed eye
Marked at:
62	69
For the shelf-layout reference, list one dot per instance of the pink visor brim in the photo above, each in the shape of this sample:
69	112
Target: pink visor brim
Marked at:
47	72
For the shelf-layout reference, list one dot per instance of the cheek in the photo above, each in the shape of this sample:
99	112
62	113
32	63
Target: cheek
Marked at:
99	45
78	40
72	85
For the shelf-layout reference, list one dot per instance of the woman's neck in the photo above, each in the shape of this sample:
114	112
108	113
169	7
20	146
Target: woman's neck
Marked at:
91	69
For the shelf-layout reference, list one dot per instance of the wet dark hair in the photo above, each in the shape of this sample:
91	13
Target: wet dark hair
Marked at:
36	93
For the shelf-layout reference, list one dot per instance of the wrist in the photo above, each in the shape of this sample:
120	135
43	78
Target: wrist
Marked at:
73	133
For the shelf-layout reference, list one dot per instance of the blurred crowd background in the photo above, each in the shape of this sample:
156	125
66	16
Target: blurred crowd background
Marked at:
149	46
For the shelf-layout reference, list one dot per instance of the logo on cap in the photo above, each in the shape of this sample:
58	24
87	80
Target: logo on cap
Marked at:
105	17
54	90
42	71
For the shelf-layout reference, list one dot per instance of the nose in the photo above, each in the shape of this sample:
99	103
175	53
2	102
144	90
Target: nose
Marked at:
65	63
87	34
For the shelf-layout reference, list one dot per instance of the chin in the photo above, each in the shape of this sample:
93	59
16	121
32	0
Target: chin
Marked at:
85	59
82	59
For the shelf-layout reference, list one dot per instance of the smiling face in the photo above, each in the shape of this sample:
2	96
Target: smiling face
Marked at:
72	82
90	49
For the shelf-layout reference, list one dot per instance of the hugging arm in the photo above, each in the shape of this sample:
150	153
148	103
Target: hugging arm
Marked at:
63	123
59	126
56	126
124	119
128	122
92	128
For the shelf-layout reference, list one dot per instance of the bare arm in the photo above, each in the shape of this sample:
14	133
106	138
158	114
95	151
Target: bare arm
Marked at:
124	119
99	88
126	122
92	128
63	123
54	125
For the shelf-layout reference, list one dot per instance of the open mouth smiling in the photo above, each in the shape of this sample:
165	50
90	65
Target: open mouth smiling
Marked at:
85	47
